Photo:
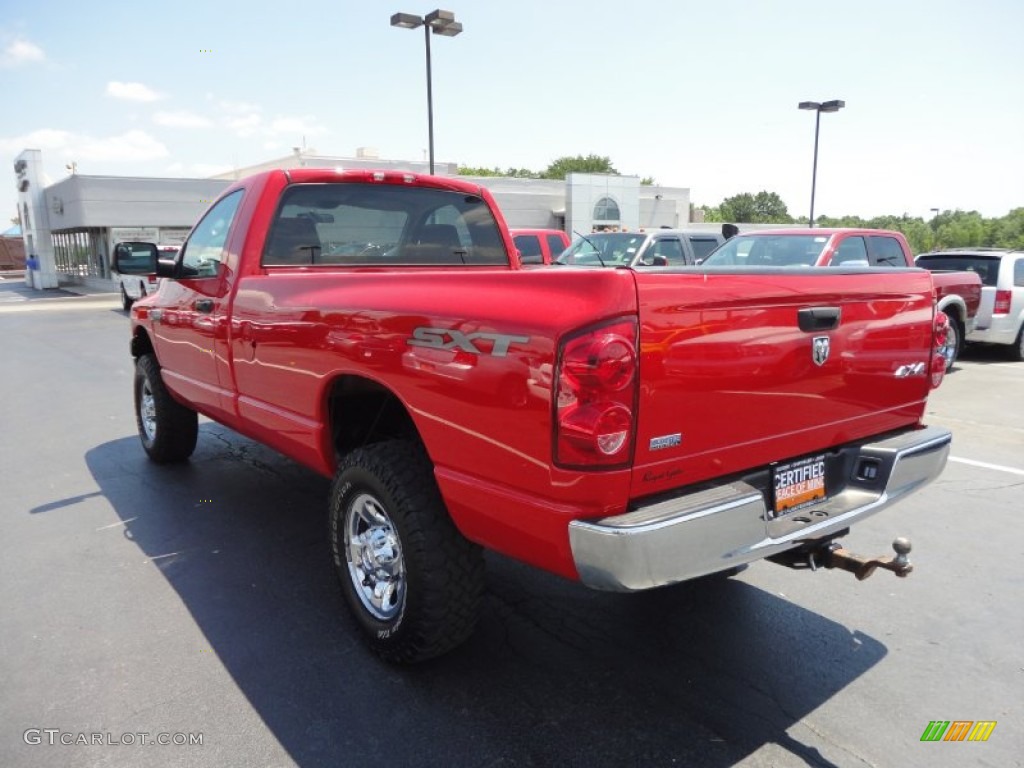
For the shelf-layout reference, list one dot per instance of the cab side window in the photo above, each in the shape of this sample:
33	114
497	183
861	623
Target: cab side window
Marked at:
851	252
670	248
529	249
556	245
204	249
886	252
703	246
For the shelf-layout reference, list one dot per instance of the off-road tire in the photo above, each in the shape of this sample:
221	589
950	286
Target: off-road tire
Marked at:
442	575
167	428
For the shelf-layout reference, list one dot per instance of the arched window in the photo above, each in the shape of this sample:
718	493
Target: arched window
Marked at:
606	210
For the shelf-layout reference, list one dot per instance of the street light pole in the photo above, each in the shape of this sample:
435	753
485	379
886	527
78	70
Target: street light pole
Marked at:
828	106
430	100
441	23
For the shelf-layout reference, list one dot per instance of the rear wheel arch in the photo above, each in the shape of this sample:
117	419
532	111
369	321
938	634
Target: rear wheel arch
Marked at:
360	411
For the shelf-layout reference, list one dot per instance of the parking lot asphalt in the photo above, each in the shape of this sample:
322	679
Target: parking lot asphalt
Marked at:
200	600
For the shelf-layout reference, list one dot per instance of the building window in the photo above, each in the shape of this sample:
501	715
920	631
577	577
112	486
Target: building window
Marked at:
606	210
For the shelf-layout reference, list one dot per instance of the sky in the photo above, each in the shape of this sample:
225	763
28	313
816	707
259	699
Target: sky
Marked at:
698	95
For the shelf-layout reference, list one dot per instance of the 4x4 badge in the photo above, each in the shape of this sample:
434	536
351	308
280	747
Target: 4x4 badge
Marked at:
819	351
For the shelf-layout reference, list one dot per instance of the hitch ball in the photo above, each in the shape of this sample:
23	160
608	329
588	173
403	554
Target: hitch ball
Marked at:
863	567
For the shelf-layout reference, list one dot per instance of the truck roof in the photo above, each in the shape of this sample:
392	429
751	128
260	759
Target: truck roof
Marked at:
825	231
329	175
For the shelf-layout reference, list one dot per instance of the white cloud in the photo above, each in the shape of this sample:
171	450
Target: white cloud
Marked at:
132	91
245	126
236	107
21	52
132	146
296	126
180	119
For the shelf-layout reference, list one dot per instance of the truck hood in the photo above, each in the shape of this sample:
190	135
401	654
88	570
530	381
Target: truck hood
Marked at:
731	382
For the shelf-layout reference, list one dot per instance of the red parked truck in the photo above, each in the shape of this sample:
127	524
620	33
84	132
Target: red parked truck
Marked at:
957	293
626	428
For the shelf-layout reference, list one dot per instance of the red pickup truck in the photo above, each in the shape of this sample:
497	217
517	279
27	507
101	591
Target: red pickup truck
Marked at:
626	428
957	294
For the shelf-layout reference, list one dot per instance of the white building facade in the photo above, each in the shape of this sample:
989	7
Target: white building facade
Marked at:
70	227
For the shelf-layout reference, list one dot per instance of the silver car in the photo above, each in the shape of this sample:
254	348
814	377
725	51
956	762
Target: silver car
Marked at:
1000	318
653	248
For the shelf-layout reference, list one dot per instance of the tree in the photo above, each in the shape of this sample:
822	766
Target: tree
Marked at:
762	208
466	170
578	164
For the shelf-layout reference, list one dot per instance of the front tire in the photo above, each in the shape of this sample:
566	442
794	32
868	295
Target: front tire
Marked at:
409	577
167	428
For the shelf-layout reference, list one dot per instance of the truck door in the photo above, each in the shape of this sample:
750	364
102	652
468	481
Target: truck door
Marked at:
189	316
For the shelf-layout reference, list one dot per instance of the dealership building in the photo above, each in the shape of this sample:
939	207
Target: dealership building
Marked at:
70	227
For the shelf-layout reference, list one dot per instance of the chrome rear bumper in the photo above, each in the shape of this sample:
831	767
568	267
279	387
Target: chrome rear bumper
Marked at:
718	528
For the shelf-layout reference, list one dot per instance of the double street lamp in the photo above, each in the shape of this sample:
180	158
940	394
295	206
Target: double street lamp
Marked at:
825	106
441	23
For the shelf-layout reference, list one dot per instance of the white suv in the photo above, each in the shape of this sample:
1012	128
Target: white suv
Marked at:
1000	318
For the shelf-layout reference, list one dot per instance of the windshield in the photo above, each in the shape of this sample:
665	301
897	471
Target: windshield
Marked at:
755	250
613	249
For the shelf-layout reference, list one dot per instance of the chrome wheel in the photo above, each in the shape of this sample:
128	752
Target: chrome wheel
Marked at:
373	552
147	411
949	349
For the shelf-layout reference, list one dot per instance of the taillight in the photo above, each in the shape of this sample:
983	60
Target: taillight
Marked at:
1003	301
940	331
595	396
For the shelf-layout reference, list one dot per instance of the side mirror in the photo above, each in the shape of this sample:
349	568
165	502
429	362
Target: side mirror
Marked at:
133	258
166	268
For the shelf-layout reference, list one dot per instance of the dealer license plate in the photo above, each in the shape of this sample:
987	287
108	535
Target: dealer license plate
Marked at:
798	484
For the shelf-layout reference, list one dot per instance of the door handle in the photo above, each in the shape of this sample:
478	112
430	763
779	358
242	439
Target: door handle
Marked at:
203	305
818	318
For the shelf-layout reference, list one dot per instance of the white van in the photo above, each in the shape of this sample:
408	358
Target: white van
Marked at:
134	270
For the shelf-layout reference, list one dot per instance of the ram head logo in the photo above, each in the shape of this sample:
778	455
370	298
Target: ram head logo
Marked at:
819	350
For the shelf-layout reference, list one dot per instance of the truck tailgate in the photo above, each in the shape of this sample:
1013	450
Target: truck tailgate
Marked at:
731	381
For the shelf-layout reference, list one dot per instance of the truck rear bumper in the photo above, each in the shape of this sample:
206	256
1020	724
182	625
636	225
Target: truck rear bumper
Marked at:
721	527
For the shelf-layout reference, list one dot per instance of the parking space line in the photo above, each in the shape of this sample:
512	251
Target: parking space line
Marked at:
986	465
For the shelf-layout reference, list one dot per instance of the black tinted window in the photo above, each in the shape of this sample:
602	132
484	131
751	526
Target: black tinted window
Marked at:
987	267
886	252
381	225
556	245
529	249
702	246
852	252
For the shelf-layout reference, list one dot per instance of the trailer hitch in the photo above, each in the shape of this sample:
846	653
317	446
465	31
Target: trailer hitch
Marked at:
835	556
